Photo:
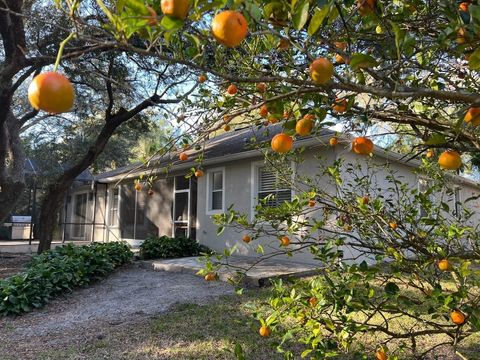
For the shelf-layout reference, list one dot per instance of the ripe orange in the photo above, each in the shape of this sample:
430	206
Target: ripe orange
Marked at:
183	156
381	355
210	276
430	153
262	87
463	6
199	173
282	143
450	160
202	78
285	240
51	92
151	192
311	203
473	116
342	45
393	225
321	71
304	126
263	111
264	331
340	105
333	141
226	128
457	317
366	7
227	119
444	265
362	145
232	89
246	238
138	187
365	200
152	18
313	301
229	28
175	8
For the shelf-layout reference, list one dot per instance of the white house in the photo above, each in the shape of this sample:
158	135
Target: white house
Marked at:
110	209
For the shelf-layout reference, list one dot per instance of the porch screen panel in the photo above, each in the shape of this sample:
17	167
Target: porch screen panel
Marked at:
127	211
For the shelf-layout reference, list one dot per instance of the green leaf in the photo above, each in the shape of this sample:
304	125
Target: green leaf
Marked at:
301	15
436	139
359	61
399	37
171	24
474	60
318	17
239	354
392	289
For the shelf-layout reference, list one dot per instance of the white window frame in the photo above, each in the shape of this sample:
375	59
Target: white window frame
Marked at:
110	192
189	194
254	184
210	172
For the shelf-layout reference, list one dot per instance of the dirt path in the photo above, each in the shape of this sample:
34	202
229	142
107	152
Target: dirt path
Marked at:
127	295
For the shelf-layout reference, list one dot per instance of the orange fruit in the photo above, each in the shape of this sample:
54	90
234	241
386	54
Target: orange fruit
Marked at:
366	7
313	301
138	187
152	18
51	92
444	265
227	119
282	143
183	156
263	111
333	141
202	78
311	203
309	117
261	87
232	89
450	160
381	355
457	317
304	126
473	116
151	192
226	128
429	154
339	59
393	225
229	28
461	36
285	240
246	238
175	8
342	45
365	200
463	6
264	331
210	276
321	71
340	105
199	173
362	145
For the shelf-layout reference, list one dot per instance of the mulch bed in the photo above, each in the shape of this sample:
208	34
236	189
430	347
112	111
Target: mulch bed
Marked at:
11	264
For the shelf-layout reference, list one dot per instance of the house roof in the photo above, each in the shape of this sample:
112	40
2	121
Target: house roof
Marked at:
239	144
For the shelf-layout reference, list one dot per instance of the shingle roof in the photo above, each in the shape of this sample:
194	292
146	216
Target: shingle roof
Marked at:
229	143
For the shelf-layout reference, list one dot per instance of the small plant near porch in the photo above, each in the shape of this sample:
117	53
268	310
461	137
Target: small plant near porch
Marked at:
155	247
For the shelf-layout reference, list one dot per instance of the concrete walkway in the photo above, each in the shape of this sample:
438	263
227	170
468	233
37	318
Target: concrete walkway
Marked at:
257	273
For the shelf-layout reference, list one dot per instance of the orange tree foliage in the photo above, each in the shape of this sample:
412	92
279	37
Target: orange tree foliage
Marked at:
406	68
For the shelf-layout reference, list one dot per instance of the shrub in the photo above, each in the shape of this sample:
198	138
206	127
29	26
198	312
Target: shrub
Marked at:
57	271
156	247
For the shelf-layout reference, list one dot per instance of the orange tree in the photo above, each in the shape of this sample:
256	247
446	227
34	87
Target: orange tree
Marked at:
406	70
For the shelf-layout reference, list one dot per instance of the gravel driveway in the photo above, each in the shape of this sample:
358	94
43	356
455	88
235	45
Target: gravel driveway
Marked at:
127	295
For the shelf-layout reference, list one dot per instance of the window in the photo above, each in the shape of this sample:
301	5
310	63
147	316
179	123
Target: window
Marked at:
113	211
215	191
270	187
457	199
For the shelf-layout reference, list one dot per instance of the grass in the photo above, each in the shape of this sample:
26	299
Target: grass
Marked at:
191	331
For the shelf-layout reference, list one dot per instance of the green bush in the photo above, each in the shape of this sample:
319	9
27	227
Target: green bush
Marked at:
156	247
57	271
